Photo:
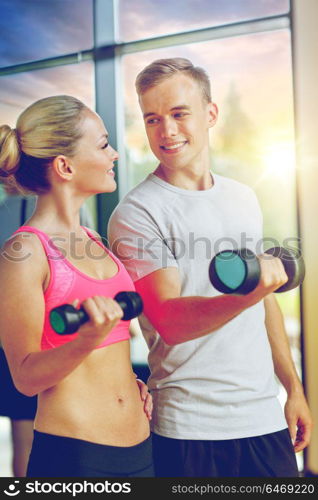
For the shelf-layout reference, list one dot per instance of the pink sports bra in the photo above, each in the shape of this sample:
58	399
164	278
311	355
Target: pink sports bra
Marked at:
68	283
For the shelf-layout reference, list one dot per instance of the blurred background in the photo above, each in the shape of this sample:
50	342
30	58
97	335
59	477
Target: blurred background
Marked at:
261	57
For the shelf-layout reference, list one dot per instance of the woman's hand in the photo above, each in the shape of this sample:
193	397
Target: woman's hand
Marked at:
146	397
104	313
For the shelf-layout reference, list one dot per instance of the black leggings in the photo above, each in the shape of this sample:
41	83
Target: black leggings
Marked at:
58	456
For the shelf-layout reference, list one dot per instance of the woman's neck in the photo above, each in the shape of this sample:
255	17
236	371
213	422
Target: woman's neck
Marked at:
55	214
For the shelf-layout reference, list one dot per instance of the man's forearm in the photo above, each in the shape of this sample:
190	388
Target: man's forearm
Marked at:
187	318
179	319
283	363
296	409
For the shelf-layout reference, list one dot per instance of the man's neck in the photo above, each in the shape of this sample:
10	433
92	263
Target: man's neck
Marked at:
186	179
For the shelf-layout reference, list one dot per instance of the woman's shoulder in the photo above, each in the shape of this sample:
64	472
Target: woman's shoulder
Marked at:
93	232
23	248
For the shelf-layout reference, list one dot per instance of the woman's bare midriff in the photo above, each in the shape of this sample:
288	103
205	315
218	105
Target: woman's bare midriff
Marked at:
98	402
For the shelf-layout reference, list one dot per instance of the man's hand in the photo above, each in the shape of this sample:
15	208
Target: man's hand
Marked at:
146	397
299	420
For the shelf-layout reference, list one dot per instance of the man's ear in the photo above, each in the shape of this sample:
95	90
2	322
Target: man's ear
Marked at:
62	166
213	114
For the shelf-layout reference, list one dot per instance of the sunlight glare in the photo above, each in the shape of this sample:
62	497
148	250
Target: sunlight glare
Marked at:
279	159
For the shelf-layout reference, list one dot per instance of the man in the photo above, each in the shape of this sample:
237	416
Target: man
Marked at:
212	357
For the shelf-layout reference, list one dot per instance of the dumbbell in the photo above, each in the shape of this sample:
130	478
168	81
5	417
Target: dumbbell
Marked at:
66	319
238	271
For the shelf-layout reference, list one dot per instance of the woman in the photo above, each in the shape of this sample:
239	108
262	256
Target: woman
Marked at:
20	409
90	419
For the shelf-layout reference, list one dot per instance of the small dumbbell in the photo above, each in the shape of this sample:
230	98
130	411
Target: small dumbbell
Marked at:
238	271
66	319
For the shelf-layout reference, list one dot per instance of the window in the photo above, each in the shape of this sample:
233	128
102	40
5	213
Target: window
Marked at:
139	19
19	90
39	29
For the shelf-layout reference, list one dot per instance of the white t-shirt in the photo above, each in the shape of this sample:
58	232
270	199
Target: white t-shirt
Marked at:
221	385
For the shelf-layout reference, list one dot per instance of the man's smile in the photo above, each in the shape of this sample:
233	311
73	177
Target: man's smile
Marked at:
174	147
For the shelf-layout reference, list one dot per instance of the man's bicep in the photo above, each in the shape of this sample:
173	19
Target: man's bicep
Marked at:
158	287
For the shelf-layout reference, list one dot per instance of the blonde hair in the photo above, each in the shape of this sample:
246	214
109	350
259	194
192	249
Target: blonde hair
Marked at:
161	69
44	130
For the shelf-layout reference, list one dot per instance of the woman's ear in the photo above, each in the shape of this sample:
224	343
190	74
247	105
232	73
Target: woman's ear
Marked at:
62	167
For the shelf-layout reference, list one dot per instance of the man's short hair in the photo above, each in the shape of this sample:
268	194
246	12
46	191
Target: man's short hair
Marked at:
161	69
